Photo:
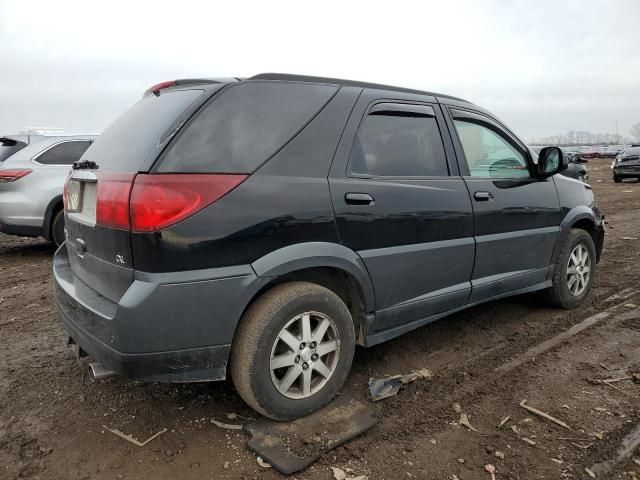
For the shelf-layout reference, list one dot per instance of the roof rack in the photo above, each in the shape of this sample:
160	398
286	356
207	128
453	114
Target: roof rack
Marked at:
41	131
347	83
52	132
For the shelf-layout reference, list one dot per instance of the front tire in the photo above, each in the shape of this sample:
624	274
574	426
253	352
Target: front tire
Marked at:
574	270
57	228
617	178
292	350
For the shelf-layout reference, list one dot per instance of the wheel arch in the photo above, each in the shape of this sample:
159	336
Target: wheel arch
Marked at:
54	206
332	266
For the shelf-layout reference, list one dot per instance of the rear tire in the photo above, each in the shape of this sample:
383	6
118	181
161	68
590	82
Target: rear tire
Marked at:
273	332
574	270
57	228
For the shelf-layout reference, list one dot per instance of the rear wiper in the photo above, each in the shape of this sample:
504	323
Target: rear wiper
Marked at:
85	165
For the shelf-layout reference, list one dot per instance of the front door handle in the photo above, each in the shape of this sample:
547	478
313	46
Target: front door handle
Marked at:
358	199
483	196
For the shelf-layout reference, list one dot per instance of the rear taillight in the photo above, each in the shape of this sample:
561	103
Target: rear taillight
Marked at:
112	202
13	174
161	200
64	191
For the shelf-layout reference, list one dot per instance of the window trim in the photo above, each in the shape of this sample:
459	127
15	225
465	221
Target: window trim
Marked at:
403	106
34	159
413	109
496	127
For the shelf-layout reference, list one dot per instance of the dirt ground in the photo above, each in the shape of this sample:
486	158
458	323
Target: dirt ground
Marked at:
52	419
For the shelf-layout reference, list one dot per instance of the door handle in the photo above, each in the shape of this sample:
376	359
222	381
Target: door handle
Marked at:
358	199
483	196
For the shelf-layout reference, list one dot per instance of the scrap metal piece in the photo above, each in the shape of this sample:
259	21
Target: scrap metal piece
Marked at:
385	387
291	446
130	439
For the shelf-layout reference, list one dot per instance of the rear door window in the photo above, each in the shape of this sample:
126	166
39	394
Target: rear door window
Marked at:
64	153
244	126
9	146
399	144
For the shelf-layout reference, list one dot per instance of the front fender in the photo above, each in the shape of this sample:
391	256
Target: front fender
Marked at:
317	254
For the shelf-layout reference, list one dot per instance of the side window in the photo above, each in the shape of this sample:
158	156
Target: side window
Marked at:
398	144
244	126
489	154
63	153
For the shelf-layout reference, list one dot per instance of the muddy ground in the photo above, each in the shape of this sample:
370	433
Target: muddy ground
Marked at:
52	419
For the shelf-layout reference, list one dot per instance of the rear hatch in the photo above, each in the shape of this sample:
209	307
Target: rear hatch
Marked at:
98	188
630	160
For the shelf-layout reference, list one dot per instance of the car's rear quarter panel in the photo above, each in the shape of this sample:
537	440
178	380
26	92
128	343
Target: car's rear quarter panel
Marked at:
284	202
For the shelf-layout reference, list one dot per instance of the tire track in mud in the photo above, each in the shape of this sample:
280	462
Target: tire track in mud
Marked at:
465	382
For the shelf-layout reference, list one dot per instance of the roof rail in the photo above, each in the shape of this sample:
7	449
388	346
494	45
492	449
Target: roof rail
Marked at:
347	83
42	131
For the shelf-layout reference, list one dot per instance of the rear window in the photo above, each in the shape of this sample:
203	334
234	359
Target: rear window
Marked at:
8	147
243	127
64	153
126	143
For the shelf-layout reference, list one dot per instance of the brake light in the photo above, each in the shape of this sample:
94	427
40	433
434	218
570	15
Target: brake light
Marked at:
13	174
155	89
161	200
112	202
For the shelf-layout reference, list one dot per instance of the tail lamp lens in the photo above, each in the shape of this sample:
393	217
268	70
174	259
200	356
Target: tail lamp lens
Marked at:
151	202
13	174
112	204
161	200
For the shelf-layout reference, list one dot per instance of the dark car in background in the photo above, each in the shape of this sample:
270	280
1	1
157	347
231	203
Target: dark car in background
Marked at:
265	227
627	165
576	167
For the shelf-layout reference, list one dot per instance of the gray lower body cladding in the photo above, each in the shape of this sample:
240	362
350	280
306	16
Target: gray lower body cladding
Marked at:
21	230
174	327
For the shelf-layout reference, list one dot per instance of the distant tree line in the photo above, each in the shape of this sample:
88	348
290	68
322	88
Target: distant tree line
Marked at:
581	137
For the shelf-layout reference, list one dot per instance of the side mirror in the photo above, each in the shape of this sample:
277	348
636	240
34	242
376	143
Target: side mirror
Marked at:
551	160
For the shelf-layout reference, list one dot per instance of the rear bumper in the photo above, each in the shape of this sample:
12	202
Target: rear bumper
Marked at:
193	365
166	327
627	171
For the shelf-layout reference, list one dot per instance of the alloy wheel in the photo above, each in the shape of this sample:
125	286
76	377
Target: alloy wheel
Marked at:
304	355
578	270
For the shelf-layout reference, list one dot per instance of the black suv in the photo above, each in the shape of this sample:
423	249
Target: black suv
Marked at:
267	226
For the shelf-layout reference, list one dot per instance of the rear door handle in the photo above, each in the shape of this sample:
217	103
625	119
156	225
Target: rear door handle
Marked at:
358	199
483	196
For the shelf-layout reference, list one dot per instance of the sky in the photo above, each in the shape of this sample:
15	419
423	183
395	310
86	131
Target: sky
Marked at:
544	66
